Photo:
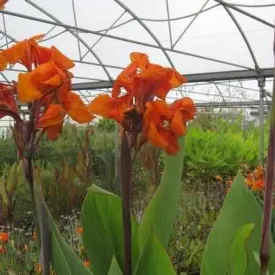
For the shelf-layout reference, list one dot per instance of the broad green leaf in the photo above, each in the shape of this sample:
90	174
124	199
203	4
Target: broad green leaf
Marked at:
240	208
12	178
3	193
64	260
101	219
114	268
160	214
154	259
238	251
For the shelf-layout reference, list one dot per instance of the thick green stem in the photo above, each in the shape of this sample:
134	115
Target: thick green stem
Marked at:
126	182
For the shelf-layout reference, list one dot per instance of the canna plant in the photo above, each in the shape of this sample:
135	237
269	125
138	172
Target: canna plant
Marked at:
45	92
241	242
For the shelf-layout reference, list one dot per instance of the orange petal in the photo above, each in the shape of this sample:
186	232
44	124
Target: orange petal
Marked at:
54	81
124	80
101	105
3	62
37	37
27	90
60	59
2	3
155	138
108	107
16	52
177	124
141	59
186	105
53	132
42	54
155	112
44	72
76	109
7	97
54	115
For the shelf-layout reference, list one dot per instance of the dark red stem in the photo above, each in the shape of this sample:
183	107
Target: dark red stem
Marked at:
268	195
126	182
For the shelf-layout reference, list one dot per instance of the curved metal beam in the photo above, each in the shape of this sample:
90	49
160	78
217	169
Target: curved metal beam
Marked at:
75	35
244	37
53	36
147	29
254	6
37	19
3	75
178	18
190	23
101	37
169	23
220	92
245	13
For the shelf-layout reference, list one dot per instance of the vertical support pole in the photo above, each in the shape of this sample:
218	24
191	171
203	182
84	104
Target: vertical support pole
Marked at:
261	84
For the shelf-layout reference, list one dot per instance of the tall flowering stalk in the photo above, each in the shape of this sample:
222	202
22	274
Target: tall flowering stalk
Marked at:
143	118
268	194
45	91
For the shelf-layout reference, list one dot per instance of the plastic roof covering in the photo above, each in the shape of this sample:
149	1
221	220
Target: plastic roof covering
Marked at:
193	36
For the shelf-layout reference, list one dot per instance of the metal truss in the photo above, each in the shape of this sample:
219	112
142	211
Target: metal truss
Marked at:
219	80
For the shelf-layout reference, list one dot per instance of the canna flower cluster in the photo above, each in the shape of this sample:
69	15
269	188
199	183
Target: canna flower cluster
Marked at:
4	238
45	89
255	179
141	116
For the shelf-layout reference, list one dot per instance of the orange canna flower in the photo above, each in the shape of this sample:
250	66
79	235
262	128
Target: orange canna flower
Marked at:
259	172
249	180
109	107
175	115
181	111
23	52
258	185
4	237
87	264
79	230
44	79
136	111
7	102
52	121
76	109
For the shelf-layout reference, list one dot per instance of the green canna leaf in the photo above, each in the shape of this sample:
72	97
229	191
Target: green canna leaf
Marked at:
161	212
154	259
238	253
240	208
102	230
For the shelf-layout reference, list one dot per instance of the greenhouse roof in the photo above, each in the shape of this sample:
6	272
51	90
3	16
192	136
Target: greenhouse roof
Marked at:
224	47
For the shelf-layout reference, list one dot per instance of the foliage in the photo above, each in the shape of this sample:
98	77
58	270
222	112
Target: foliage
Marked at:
240	208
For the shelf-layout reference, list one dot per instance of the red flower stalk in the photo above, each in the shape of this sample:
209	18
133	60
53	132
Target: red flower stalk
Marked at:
143	119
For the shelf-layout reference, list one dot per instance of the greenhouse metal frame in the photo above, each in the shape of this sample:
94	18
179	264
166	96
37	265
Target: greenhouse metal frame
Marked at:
260	70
